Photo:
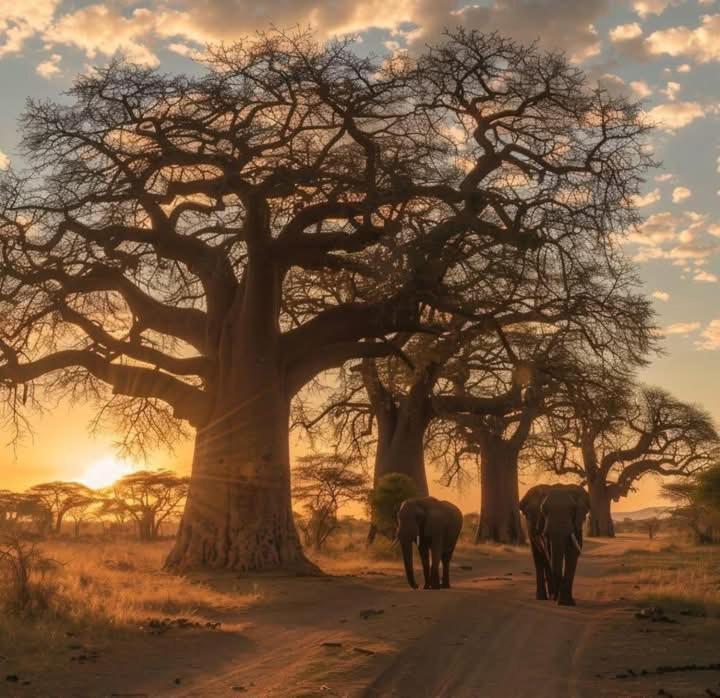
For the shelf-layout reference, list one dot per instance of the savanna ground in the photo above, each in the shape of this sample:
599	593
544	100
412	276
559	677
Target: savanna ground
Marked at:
360	631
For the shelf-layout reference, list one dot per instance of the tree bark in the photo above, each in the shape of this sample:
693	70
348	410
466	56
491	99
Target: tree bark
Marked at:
238	514
601	523
499	510
402	450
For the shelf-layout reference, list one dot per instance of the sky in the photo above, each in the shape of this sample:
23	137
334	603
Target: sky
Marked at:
663	52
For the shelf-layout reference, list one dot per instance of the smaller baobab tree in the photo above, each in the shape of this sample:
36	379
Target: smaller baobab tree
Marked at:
60	498
324	483
149	498
614	440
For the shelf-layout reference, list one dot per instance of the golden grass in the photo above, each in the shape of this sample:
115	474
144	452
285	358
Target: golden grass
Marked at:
103	589
674	576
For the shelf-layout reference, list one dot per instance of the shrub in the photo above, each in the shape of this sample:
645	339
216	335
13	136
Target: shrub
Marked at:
385	500
23	570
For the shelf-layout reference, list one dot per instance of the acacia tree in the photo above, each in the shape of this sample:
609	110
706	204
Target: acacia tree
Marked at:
170	252
611	435
149	497
59	498
323	483
697	503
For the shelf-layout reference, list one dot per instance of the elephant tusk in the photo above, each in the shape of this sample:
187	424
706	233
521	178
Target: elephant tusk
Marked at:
575	541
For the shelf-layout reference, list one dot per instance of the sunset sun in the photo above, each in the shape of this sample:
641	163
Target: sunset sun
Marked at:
105	471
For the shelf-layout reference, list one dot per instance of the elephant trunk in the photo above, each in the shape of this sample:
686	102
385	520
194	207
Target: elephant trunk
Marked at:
407	552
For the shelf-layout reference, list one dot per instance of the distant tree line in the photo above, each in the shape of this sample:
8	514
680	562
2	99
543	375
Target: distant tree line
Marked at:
145	498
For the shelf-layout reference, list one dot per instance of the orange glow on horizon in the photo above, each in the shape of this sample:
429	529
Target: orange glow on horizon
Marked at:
105	471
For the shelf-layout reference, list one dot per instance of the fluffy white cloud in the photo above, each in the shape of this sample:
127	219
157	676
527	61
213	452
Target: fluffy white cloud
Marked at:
22	19
706	277
97	29
676	115
710	337
682	328
640	88
625	32
648	199
701	43
49	67
4	161
661	296
680	194
680	238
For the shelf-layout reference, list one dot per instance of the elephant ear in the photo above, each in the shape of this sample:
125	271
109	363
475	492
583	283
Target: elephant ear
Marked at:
533	499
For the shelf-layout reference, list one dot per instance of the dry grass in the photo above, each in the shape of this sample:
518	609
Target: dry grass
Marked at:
675	576
101	590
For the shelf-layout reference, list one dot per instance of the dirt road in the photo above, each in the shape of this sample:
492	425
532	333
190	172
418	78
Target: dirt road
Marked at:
367	634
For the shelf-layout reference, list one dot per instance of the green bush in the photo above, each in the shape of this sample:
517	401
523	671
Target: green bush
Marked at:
385	500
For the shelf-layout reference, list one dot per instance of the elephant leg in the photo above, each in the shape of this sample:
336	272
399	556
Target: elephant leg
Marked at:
425	559
436	551
565	598
446	558
540	575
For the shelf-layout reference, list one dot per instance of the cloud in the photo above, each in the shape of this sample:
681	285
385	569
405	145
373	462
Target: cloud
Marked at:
706	277
625	32
701	44
664	177
710	337
681	328
640	88
49	67
4	161
678	237
22	19
671	90
615	85
650	7
676	115
97	29
680	194
661	296
648	199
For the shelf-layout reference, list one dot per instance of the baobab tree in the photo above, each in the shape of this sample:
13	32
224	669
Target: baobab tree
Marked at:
173	241
612	435
470	397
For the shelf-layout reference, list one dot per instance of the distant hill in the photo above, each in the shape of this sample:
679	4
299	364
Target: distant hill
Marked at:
640	514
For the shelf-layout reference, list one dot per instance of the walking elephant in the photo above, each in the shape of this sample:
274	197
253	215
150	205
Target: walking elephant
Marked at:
555	516
435	526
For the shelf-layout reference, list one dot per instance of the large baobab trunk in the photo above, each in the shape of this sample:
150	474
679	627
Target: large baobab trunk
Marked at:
238	514
499	511
601	523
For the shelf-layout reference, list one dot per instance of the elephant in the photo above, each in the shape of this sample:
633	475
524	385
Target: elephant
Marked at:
435	525
555	516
